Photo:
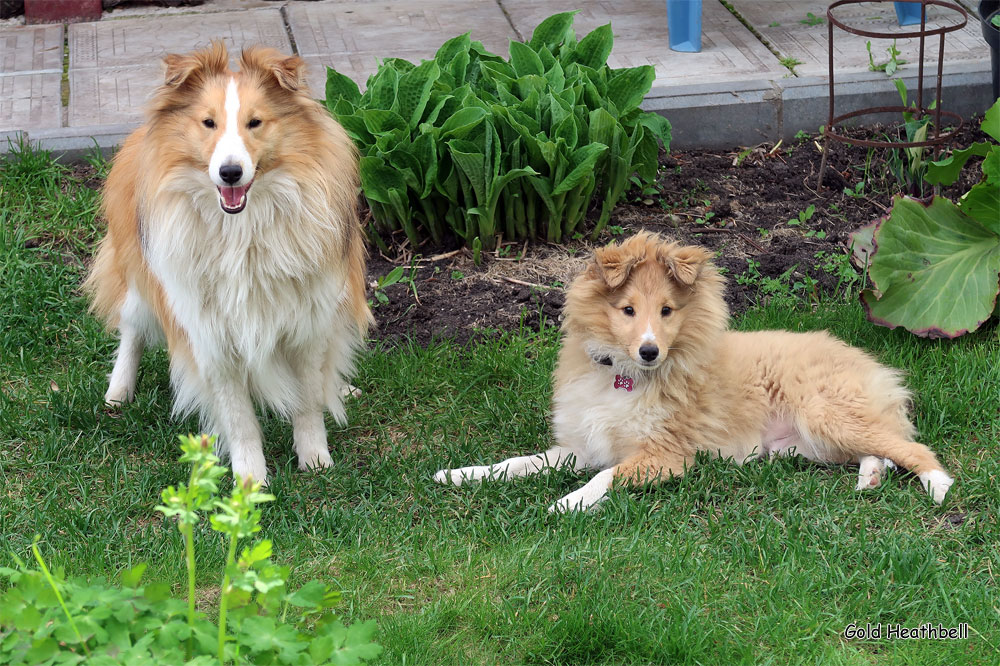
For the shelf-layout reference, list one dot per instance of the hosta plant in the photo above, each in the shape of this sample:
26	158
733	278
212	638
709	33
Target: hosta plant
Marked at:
935	267
477	145
48	618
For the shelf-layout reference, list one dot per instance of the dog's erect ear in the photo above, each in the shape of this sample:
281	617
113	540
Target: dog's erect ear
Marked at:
685	263
613	265
288	71
204	63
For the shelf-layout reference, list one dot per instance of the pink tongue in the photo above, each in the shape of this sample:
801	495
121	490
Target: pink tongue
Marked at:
232	195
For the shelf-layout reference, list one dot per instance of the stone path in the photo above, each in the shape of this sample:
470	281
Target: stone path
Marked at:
67	86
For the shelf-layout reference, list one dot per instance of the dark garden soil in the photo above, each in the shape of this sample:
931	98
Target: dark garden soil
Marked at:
736	202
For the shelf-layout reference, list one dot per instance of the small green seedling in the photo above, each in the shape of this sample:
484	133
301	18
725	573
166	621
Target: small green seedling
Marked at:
790	62
804	216
891	65
391	278
857	192
773	24
812	19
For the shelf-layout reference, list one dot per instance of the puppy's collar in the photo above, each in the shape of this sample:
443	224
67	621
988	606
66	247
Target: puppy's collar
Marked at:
621	381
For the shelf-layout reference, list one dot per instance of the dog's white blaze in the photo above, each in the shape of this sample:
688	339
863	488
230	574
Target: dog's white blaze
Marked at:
649	336
230	149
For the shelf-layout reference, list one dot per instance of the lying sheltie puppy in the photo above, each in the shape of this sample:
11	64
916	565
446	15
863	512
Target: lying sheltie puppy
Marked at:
233	233
649	375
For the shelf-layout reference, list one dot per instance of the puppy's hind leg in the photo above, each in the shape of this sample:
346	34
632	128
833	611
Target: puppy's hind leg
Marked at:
870	470
511	468
915	457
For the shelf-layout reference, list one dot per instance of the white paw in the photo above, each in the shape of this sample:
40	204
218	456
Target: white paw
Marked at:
318	459
870	472
256	470
117	396
350	391
587	497
462	474
937	483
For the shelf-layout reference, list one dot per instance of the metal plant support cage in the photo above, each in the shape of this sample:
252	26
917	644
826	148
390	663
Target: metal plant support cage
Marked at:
829	132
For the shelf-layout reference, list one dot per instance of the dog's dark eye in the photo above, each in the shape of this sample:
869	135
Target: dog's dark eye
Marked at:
665	311
629	311
254	122
209	123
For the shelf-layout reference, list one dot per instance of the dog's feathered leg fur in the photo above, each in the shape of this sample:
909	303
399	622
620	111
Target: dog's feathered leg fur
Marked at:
557	456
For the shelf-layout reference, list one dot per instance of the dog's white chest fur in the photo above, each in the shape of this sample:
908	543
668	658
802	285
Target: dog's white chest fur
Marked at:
600	422
246	289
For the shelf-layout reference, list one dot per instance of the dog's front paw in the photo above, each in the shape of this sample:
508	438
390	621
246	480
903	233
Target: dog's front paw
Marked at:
350	391
255	470
461	475
575	501
318	459
937	483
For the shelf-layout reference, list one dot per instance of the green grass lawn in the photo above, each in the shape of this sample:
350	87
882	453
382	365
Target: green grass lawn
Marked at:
762	564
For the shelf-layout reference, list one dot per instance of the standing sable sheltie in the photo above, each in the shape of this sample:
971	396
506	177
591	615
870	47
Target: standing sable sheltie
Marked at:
648	375
233	234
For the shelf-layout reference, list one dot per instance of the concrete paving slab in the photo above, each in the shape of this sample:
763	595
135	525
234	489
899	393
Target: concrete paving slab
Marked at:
29	101
780	22
34	48
358	67
349	36
729	52
142	41
110	95
114	65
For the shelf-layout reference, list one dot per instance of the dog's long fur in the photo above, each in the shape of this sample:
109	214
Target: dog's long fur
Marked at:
259	294
651	315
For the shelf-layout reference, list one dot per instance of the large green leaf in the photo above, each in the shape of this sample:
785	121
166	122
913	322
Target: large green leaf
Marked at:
378	179
340	86
452	48
627	87
553	32
991	121
594	49
945	172
379	121
462	122
381	92
982	203
935	270
658	125
413	91
582	162
524	60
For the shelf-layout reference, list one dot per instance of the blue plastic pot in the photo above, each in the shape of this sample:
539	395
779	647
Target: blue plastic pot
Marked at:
907	13
684	25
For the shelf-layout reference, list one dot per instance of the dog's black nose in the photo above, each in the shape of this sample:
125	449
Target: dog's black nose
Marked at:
231	173
648	352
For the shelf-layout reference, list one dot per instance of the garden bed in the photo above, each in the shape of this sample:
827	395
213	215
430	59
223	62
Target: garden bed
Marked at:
736	202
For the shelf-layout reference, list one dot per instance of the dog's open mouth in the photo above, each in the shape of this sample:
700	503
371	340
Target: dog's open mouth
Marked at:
234	199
